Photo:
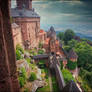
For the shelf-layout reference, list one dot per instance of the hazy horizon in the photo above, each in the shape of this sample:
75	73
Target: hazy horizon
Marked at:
75	15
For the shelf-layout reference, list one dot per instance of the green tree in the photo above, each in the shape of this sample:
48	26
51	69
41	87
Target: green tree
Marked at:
72	43
61	63
68	35
67	48
67	75
84	52
86	76
71	65
60	35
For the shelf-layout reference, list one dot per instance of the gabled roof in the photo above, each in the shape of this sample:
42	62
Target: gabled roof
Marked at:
43	56
72	54
23	13
71	87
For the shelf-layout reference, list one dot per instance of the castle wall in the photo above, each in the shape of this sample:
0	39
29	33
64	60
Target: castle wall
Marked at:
59	77
8	74
30	28
17	36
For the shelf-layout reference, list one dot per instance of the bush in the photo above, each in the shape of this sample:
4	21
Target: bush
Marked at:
28	60
32	66
33	53
61	63
18	55
18	47
71	65
67	75
22	77
32	77
21	81
23	73
40	51
26	90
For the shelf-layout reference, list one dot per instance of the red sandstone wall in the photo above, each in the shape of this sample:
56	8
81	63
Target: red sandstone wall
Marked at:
17	37
30	28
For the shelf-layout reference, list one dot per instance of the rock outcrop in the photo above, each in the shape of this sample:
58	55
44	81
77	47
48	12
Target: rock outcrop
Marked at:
37	84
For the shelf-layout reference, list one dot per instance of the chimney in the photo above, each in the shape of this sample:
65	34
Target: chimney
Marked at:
27	4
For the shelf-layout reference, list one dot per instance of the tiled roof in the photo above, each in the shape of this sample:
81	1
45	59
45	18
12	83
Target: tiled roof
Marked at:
43	56
72	54
42	32
71	87
22	13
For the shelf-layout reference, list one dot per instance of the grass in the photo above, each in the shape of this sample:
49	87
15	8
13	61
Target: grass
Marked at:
54	84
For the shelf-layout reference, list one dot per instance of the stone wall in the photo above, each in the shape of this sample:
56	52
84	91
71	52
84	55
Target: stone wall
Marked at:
59	77
17	36
55	65
8	74
30	28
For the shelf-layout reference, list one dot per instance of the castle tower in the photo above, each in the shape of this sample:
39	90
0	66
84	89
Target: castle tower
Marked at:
27	4
28	20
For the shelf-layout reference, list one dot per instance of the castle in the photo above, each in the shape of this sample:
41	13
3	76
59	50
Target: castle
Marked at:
8	74
29	21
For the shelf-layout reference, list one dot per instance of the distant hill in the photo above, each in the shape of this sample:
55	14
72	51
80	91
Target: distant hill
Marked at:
80	35
84	36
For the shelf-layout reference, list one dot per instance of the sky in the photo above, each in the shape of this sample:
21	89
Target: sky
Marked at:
62	15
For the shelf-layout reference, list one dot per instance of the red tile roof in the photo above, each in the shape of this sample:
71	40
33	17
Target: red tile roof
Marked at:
42	32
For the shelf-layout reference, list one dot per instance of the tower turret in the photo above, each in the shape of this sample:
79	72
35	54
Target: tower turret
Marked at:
27	4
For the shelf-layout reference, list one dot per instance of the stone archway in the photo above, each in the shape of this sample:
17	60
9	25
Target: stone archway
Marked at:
8	74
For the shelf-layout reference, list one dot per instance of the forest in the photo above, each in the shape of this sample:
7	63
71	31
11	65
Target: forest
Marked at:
84	52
